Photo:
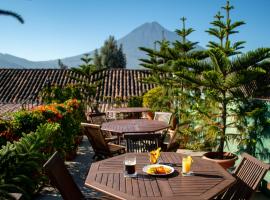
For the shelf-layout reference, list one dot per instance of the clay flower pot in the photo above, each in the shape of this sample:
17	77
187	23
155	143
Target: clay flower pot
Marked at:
150	115
225	159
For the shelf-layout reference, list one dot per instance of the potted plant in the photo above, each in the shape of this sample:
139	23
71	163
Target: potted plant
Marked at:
221	78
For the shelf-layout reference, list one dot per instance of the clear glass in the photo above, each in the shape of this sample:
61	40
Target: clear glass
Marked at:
186	165
130	165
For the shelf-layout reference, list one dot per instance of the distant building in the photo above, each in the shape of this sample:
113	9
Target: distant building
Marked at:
21	86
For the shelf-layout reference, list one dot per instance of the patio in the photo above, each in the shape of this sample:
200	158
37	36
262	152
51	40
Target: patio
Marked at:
79	168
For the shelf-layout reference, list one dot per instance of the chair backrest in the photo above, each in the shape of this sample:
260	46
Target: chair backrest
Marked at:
163	116
60	178
248	174
97	118
142	142
96	138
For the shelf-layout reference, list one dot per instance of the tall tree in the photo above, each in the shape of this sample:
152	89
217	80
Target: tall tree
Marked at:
61	65
12	14
87	68
223	76
97	60
110	55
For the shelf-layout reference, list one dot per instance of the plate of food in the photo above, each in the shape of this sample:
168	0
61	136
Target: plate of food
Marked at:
158	170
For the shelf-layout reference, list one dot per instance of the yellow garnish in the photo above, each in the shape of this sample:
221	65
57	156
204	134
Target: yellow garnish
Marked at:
154	155
189	158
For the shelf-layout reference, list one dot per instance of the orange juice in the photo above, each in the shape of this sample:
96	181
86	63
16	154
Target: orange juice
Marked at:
186	165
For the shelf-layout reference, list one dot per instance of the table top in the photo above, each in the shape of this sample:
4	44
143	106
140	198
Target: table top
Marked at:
209	179
129	110
134	126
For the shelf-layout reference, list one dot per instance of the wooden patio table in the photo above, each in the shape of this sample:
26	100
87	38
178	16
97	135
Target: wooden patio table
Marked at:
134	112
134	126
208	181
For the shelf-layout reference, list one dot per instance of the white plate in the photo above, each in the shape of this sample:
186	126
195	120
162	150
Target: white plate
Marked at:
145	168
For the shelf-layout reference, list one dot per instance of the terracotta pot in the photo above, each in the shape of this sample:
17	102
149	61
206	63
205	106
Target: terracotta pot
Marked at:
225	159
150	115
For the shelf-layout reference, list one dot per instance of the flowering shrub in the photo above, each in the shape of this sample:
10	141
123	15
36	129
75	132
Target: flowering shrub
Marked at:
30	138
68	115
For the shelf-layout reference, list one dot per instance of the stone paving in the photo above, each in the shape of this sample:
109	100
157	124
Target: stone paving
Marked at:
78	168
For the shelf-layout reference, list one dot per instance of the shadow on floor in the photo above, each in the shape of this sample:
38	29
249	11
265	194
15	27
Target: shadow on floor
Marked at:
78	168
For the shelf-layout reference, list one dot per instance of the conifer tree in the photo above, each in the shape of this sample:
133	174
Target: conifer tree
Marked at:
110	56
160	62
223	76
61	65
97	60
87	68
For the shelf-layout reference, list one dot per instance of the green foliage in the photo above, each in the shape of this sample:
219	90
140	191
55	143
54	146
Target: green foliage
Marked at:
87	68
57	94
25	121
135	101
21	162
222	30
253	124
88	78
110	56
222	77
155	99
55	127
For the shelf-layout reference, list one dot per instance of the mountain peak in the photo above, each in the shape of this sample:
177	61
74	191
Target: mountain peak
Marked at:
149	26
144	35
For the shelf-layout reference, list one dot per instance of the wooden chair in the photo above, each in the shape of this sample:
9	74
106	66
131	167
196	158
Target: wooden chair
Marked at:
99	118
61	179
163	116
142	142
169	142
101	148
248	174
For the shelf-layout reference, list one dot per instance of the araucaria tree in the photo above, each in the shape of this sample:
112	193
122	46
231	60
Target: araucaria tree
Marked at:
110	55
224	74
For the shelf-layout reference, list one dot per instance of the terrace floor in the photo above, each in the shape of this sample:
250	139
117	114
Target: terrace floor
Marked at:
79	168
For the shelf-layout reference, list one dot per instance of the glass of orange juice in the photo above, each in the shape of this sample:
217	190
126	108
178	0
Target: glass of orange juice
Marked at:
186	165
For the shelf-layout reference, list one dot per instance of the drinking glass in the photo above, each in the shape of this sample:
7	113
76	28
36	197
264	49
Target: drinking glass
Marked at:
130	166
186	165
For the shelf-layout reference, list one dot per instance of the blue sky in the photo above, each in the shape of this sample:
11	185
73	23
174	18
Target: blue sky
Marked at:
61	28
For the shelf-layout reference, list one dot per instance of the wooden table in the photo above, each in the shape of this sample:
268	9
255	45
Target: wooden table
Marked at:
209	179
133	112
134	126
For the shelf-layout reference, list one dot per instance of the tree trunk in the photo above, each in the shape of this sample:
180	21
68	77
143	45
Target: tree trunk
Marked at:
224	123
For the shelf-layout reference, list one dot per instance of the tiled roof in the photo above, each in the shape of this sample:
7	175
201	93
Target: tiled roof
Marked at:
19	85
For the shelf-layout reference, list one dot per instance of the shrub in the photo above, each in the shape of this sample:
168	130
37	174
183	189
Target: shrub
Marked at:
154	99
26	121
21	162
135	101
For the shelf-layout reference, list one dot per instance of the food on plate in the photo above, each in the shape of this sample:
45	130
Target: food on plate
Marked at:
159	170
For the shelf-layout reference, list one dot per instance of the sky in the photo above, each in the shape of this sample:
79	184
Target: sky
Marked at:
61	28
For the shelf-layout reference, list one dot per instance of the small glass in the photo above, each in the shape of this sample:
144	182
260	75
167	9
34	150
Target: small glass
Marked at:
130	166
186	166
